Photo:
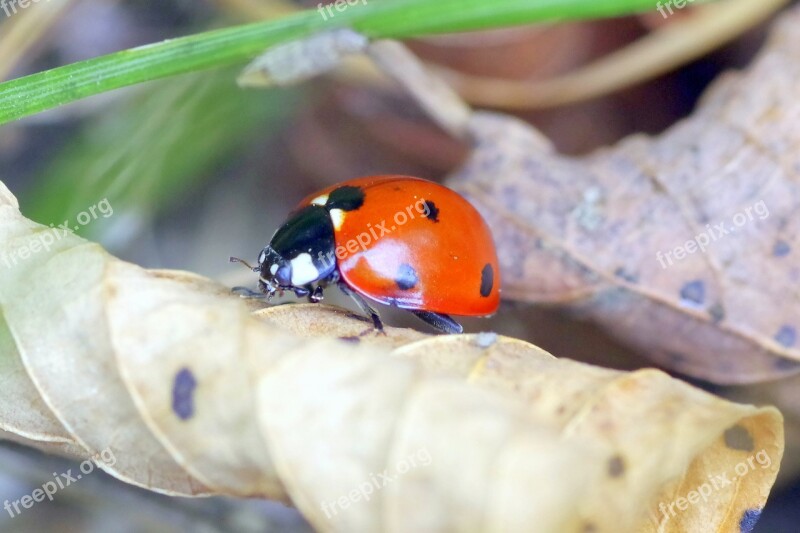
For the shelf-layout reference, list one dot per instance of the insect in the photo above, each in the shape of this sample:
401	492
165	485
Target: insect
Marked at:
397	240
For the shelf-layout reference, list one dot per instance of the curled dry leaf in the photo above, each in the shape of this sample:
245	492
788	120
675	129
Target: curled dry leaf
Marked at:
197	394
57	322
683	245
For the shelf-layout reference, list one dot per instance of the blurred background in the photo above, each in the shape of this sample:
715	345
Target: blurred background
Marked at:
196	170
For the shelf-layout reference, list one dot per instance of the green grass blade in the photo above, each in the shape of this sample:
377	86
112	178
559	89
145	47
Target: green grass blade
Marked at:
377	18
159	142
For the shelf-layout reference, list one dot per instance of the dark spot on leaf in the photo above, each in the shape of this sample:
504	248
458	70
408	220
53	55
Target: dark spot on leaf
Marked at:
621	273
783	363
749	520
183	394
738	438
406	277
487	280
781	249
432	211
717	313
786	336
694	292
616	466
589	528
346	198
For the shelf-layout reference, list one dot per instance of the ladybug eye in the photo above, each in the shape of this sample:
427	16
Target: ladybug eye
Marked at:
262	256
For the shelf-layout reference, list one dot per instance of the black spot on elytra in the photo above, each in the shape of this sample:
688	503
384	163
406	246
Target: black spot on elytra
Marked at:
694	292
183	394
717	313
406	277
749	520
616	466
786	364
781	249
786	336
487	280
346	198
432	212
738	438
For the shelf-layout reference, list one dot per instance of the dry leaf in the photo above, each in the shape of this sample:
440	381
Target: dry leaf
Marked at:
601	234
194	393
54	312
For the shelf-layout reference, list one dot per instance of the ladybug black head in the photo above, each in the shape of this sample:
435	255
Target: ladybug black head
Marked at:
275	271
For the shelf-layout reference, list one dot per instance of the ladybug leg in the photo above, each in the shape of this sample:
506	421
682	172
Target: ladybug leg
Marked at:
441	322
365	308
244	292
301	291
315	296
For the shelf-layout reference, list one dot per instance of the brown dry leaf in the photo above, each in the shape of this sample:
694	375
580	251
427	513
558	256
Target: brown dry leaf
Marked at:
687	38
55	315
22	410
196	394
593	233
782	393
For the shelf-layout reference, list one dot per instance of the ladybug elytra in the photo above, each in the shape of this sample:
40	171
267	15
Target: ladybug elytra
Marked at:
397	240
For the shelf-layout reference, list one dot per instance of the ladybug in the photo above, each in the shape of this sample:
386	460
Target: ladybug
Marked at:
397	240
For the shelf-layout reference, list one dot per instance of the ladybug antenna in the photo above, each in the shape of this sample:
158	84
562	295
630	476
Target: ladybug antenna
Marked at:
242	261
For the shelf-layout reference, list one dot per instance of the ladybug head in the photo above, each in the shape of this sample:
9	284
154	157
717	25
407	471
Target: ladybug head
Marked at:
298	255
275	271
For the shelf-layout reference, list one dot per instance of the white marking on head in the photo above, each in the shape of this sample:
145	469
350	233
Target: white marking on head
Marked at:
273	269
262	256
337	217
320	200
303	270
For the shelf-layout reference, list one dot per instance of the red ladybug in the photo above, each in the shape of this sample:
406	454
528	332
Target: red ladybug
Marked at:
397	240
